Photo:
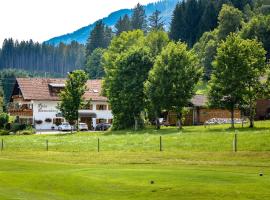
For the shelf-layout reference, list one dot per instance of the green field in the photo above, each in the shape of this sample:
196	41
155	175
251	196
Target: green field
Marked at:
196	163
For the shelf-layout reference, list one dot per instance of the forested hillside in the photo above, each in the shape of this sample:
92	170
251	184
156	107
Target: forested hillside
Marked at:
41	58
166	8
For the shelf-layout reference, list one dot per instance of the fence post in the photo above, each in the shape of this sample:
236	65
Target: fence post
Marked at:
98	144
160	143
47	145
2	145
235	143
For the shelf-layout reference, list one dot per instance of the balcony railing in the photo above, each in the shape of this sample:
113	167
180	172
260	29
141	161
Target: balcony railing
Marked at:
18	109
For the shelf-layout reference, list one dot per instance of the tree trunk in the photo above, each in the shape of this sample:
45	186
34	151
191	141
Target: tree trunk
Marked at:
251	115
179	120
136	123
157	122
232	117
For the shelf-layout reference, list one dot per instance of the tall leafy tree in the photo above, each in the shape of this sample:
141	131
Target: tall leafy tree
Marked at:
238	67
72	95
156	40
156	22
100	37
138	18
123	24
206	49
93	65
230	20
255	68
120	63
258	27
171	82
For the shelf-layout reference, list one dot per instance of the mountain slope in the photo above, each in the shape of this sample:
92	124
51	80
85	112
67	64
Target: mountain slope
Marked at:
81	35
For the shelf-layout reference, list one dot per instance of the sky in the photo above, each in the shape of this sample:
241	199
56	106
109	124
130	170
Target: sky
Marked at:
41	20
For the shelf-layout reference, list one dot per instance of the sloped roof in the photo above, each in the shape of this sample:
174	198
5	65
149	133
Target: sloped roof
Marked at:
38	89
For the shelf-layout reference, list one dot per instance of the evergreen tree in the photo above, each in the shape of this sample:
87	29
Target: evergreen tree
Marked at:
138	18
155	21
100	37
94	66
123	24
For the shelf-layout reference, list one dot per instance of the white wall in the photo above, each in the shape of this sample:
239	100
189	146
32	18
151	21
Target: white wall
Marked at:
43	110
47	109
101	114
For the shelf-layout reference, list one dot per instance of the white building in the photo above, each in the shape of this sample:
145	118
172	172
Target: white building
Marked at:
34	101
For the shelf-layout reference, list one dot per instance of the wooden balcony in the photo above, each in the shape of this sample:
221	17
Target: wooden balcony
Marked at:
21	112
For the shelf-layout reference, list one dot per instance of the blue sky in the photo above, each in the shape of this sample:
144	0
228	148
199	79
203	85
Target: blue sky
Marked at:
43	19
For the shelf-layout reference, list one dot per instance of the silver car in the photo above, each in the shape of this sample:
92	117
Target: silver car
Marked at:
65	126
83	127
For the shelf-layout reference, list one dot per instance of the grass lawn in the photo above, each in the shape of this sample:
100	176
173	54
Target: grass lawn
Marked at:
196	163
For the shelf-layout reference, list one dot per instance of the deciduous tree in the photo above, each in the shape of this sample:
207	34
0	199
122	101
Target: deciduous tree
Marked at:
71	98
171	82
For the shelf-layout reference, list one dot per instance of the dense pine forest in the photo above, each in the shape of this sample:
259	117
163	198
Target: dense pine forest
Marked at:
190	20
41	58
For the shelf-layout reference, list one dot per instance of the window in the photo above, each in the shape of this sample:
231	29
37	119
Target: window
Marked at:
101	107
58	121
98	121
90	107
109	107
110	121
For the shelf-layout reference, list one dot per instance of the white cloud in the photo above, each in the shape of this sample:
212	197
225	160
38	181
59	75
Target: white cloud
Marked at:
43	19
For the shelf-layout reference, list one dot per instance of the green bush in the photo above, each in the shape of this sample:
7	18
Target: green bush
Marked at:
4	132
17	127
25	132
3	119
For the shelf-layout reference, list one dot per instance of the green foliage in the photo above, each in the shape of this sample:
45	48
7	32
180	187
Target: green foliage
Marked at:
138	18
126	90
8	79
93	65
258	28
126	70
122	25
156	40
15	127
100	37
72	95
25	132
156	22
206	49
172	81
119	45
4	117
191	18
4	132
230	20
42	58
238	67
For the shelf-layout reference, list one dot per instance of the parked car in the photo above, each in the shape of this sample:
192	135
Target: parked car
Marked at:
64	126
83	127
102	127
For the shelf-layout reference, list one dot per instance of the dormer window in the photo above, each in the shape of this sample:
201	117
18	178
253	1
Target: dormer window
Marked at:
56	88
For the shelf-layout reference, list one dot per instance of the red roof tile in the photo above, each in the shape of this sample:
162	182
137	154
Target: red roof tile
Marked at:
38	89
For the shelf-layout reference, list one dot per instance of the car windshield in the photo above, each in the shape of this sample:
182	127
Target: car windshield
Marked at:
66	124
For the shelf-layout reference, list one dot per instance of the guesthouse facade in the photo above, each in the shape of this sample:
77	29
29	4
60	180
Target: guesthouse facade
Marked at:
34	101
